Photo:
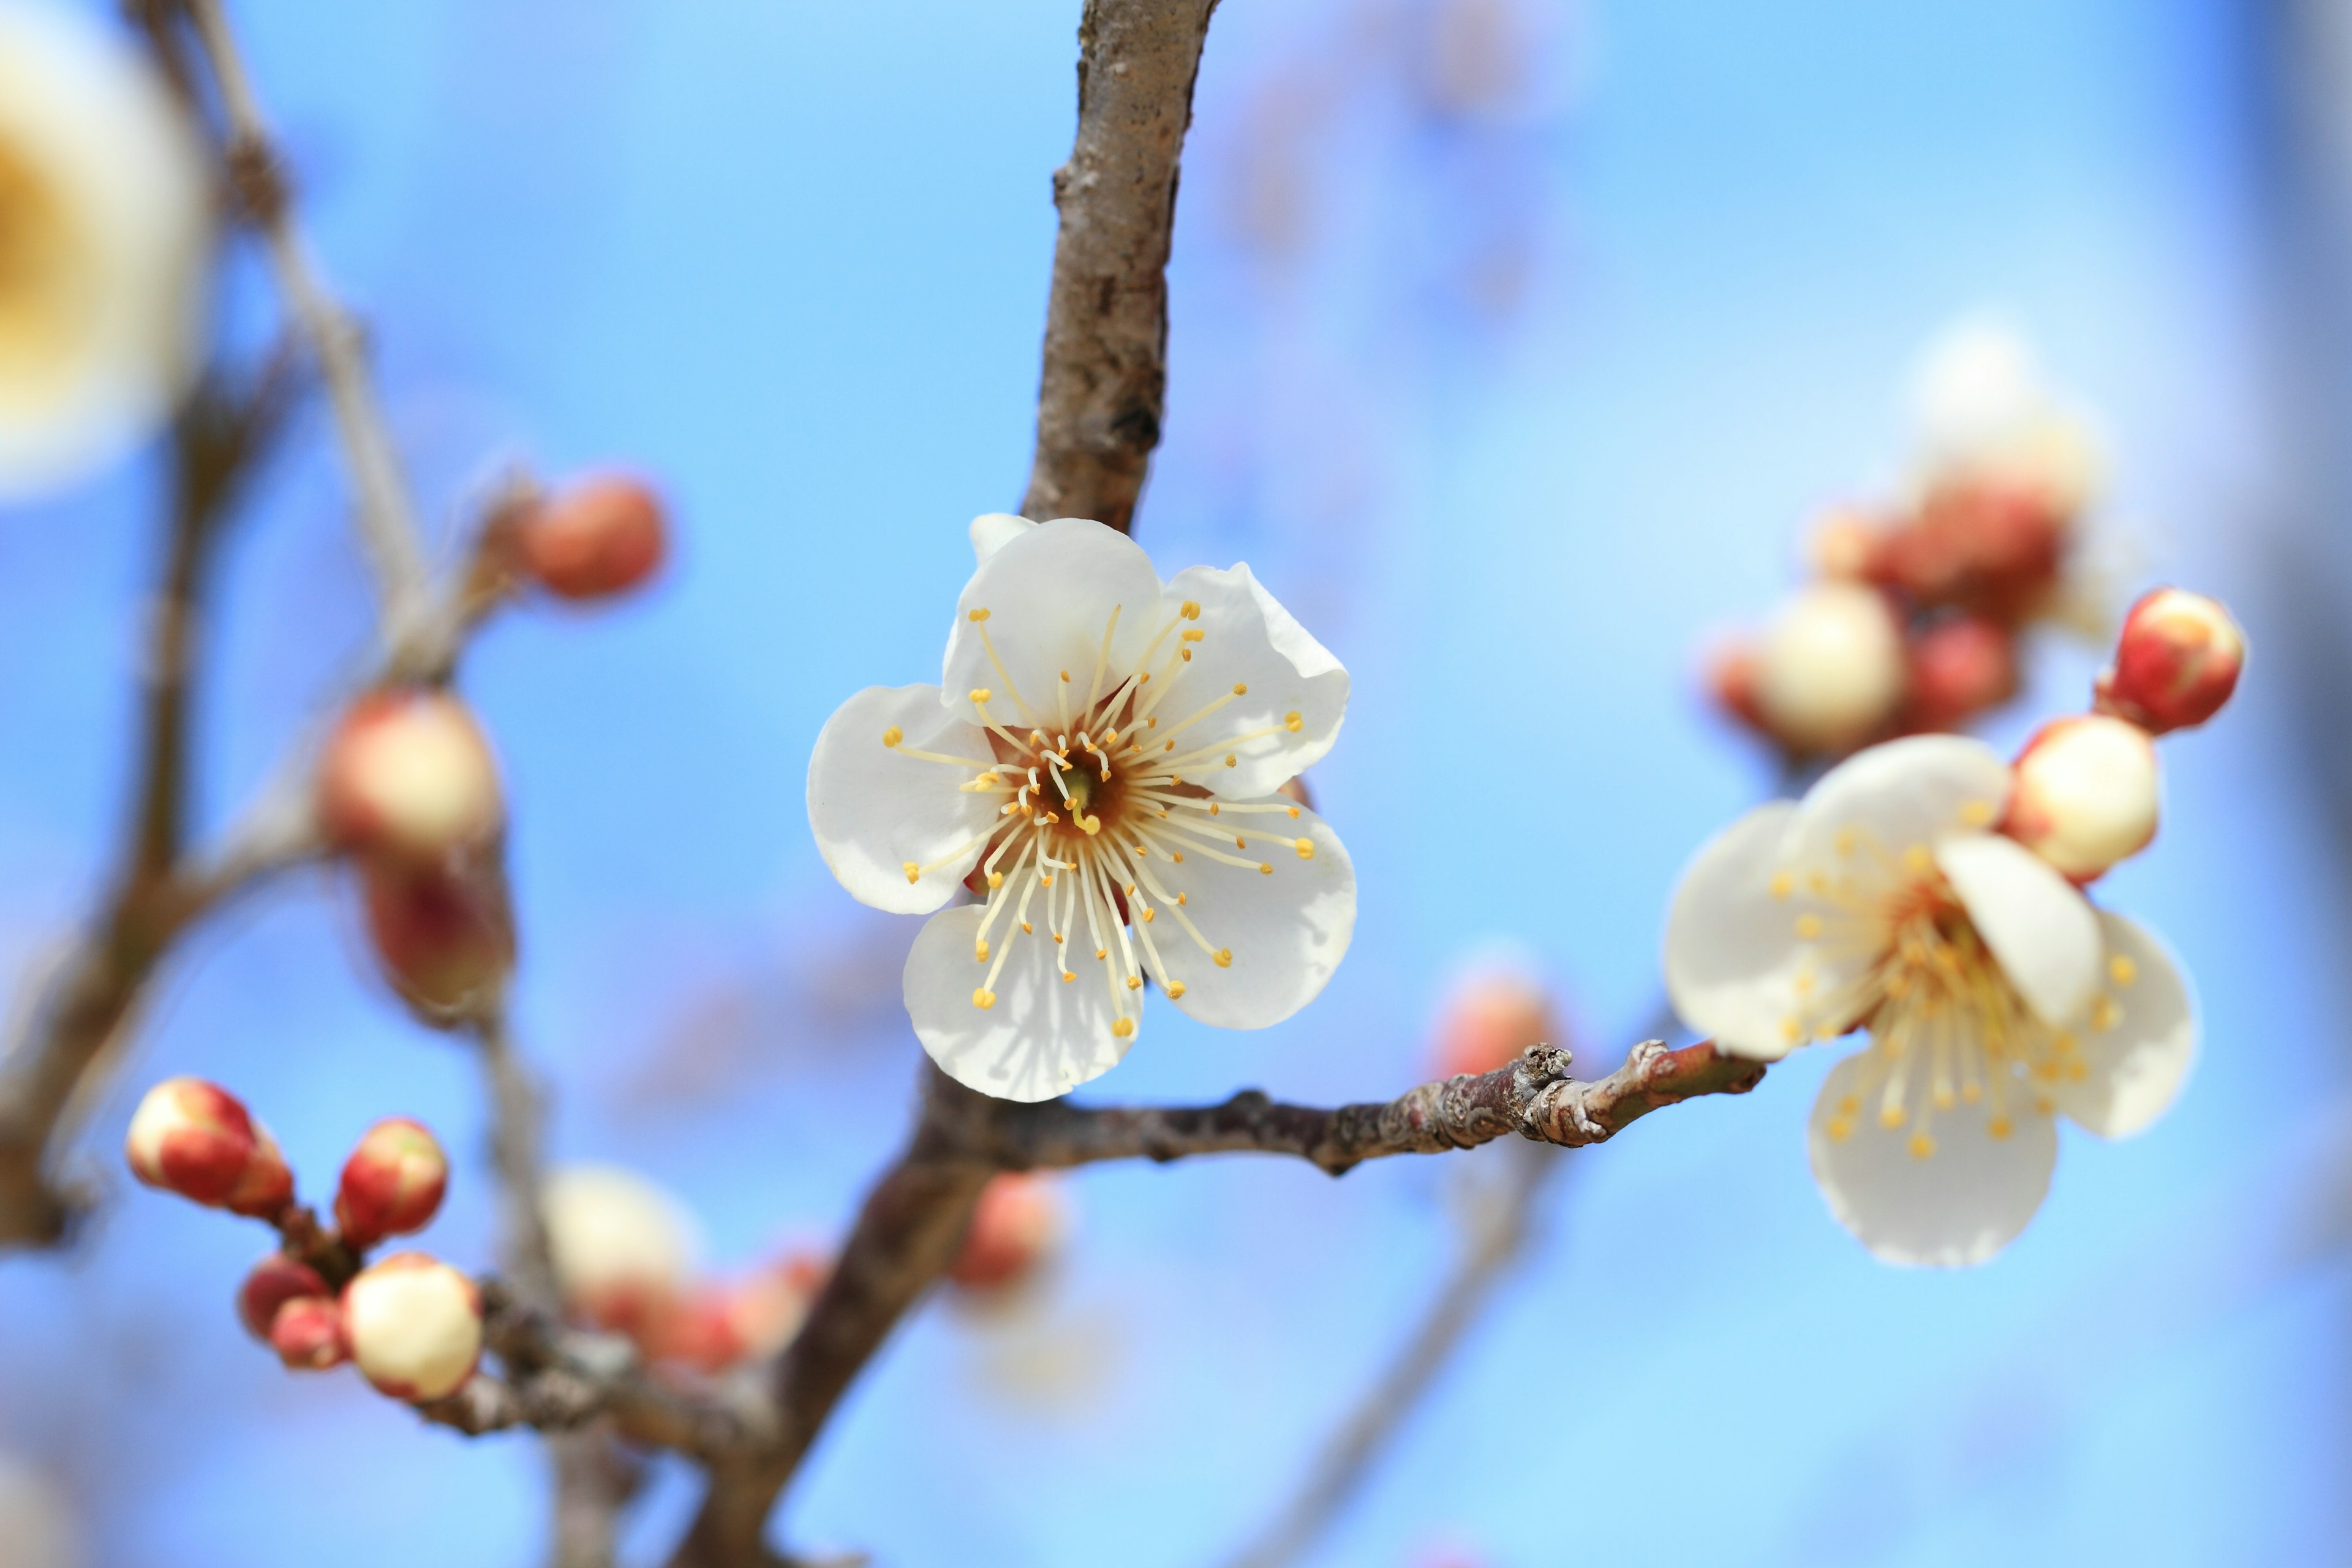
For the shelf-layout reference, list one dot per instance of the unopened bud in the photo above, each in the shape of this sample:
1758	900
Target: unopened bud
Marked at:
307	1334
1830	669
444	935
392	1183
2176	664
1492	1012
2085	793
414	1326
408	774
1018	1226
1842	545
724	1323
1730	673
197	1140
1980	544
623	1248
595	538
1960	667
274	1281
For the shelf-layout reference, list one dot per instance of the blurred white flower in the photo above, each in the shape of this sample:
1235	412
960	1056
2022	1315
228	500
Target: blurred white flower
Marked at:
1996	996
1984	412
1105	756
104	226
623	1248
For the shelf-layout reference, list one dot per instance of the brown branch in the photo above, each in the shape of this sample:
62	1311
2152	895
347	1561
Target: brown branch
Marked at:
1099	400
1534	1098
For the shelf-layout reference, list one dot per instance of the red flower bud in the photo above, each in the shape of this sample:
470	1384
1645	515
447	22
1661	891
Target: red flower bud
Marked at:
197	1140
408	774
1980	544
1491	1013
1019	1224
274	1281
268	1184
600	536
1960	667
444	935
307	1334
392	1183
414	1326
2176	664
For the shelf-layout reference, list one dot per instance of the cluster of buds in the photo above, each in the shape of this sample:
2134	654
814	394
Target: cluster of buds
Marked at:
1018	1229
412	1325
1912	621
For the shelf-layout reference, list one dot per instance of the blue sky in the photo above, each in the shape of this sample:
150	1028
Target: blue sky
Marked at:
1513	400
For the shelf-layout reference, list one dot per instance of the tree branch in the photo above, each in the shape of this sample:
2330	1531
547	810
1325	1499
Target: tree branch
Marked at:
1100	399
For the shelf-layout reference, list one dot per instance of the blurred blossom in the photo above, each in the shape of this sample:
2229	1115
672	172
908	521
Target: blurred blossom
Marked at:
625	1249
104	229
1018	1229
39	1525
1107	749
1495	1006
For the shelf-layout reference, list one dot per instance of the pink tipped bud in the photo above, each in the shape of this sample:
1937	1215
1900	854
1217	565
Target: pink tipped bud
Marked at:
601	536
1730	679
408	774
1842	545
1019	1226
444	935
2176	664
1960	667
197	1140
1491	1013
414	1326
2085	793
307	1334
274	1281
1829	671
392	1183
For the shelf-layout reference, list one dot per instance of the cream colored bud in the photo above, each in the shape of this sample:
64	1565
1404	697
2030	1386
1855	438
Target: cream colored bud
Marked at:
1829	668
197	1140
414	1326
2085	793
408	774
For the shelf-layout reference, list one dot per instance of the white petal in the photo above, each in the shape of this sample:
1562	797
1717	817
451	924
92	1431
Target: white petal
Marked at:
1249	639
874	809
1286	929
1959	1205
2138	1061
992	531
1042	1037
1903	794
2037	923
1049	594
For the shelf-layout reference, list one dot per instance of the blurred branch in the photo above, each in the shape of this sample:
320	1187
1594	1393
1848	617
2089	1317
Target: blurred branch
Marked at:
1101	397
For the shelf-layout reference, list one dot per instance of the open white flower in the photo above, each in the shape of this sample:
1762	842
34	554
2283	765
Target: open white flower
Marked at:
1105	757
1996	996
104	217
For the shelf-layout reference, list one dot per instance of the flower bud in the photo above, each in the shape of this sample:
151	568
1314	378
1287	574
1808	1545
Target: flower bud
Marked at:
392	1183
444	935
1830	669
2084	795
274	1281
624	1249
725	1322
1980	544
307	1334
1730	676
414	1326
1019	1224
2176	663
1842	545
1492	1012
197	1140
408	774
598	537
1960	667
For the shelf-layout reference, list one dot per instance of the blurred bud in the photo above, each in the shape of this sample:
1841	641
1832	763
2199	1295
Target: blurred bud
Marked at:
1960	667
2085	793
408	774
597	537
724	1323
1730	677
392	1183
1842	545
2176	664
1982	545
307	1334
274	1281
1830	669
624	1249
1493	1011
197	1140
1020	1223
444	935
414	1326
1296	788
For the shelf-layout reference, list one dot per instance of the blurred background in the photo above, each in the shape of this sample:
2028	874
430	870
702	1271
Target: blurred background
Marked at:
1513	343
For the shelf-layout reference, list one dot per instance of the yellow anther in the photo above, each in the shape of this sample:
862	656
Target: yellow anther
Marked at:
980	950
1783	884
1846	840
2105	1014
1135	983
1068	977
1239	842
978	615
1170	747
2122	970
2077	1071
1122	1028
1306	848
1222	958
1792	1030
1840	1130
1999	1128
1187	654
1802	983
996	879
914	872
1066	678
1144	680
984	998
1294	813
1102	953
893	735
1241	689
1849	1105
1818	881
1232	761
981	694
1192	610
1977	813
1916	860
1809	927
1294	721
1921	1145
1028	929
1057	938
1264	869
1152	722
1892	1117
1175	989
1215	808
1180	898
1177	856
1191	634
1147	913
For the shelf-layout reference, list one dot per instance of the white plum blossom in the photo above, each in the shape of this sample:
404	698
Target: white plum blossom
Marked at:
1996	996
1103	762
1982	407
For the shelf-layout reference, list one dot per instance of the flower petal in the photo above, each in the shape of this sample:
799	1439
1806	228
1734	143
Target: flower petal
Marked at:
1959	1206
1047	594
992	531
2038	925
1246	638
875	810
2139	1059
1732	953
1286	929
1903	794
1042	1037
